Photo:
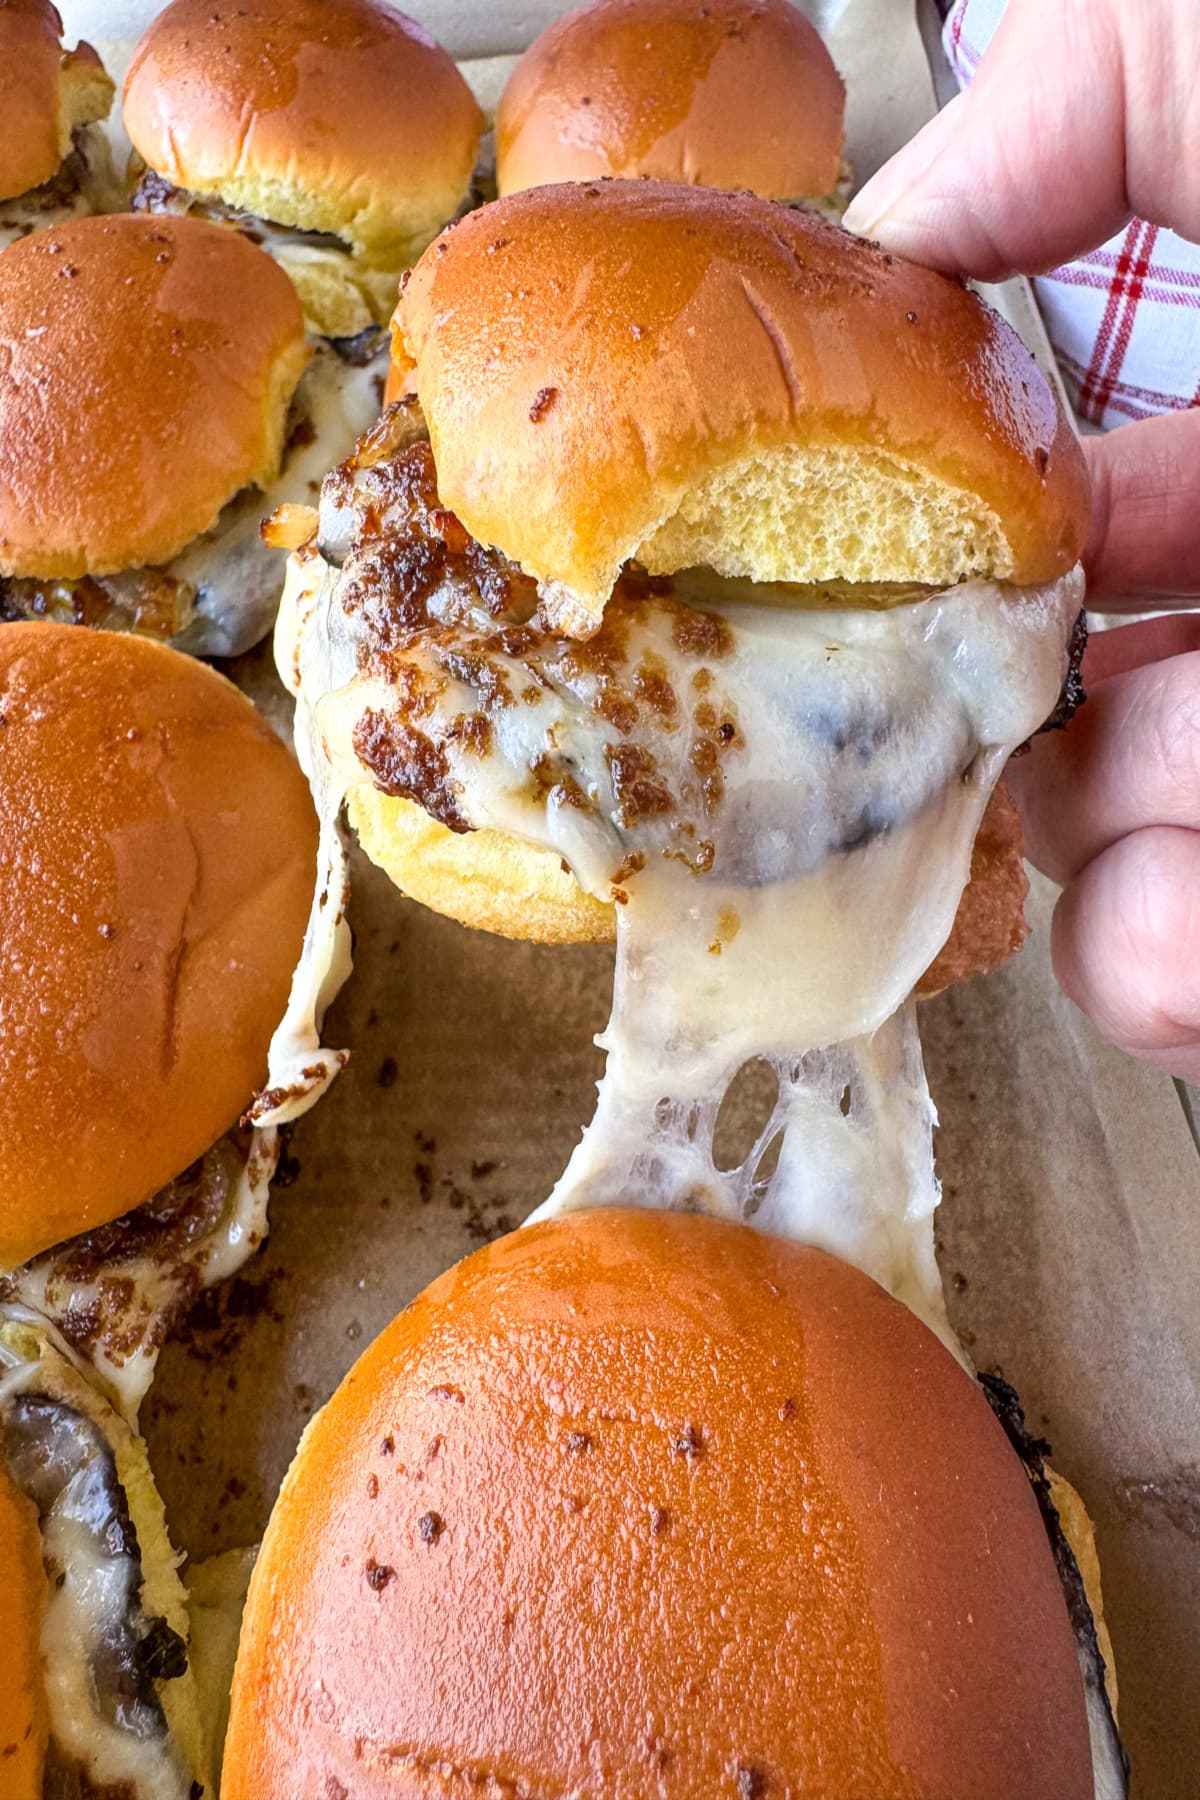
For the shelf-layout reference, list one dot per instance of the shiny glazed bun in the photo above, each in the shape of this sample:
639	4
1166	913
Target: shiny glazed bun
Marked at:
45	93
638	1502
146	366
734	94
339	116
23	1718
636	370
156	848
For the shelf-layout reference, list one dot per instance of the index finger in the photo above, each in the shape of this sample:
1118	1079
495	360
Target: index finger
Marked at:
1083	112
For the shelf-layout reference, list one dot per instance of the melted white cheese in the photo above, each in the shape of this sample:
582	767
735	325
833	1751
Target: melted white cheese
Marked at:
118	1315
819	944
298	1068
235	574
92	1588
869	742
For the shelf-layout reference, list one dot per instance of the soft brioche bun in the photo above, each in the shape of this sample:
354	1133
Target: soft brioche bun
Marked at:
636	1502
162	1593
733	94
156	854
338	116
23	1713
495	882
489	880
621	370
146	368
46	92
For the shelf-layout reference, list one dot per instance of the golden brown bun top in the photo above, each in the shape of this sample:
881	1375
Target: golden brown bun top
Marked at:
146	366
341	116
156	855
23	1713
733	94
640	1502
45	92
620	369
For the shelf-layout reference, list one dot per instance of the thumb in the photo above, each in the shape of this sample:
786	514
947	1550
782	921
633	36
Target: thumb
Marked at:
1079	115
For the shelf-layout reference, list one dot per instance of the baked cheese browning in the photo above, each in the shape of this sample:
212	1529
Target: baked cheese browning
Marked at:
779	791
475	706
115	1294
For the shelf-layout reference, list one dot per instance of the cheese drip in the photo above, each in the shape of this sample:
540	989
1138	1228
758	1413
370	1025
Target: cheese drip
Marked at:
840	850
299	1069
115	1294
782	801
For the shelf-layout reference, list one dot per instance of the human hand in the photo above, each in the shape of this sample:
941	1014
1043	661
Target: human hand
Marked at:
1083	113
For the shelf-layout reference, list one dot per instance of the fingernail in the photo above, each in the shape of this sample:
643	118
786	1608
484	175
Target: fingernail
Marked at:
882	201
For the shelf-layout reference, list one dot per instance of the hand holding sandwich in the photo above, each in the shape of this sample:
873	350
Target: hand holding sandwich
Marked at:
1081	115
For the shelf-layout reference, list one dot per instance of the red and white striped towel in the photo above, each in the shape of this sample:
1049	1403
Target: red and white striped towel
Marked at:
1122	319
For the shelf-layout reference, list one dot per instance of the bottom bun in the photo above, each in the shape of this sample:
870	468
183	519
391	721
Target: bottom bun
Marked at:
1080	1534
498	883
486	879
638	1503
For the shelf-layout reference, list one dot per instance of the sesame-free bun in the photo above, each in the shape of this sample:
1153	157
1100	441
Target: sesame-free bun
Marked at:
495	882
489	880
46	92
640	1502
156	853
337	116
146	367
617	370
23	1716
733	94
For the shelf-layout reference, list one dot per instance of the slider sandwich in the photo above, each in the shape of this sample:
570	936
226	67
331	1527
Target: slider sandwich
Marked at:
641	1504
157	397
97	1699
702	592
54	160
731	94
335	133
156	843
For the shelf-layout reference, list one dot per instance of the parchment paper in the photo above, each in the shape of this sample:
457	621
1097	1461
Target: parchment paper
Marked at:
1069	1232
